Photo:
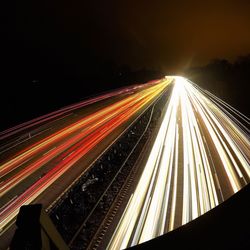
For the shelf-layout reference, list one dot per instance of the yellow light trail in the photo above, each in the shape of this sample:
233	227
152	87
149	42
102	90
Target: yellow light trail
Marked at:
201	154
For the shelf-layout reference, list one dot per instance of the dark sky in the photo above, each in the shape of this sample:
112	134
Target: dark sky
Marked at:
154	34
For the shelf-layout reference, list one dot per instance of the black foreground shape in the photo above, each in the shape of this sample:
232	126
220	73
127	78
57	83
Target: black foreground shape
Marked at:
35	231
227	226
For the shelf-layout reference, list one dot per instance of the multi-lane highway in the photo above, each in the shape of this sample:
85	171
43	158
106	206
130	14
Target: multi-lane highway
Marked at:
200	157
33	164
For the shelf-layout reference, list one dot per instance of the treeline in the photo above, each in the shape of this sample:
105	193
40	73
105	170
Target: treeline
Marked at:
229	81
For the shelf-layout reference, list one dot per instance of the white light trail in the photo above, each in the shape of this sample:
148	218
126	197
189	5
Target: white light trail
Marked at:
200	153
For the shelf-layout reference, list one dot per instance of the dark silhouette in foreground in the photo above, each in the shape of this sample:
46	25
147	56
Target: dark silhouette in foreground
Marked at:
35	231
224	227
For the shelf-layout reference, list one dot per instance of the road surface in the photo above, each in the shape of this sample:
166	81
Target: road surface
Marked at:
200	157
35	161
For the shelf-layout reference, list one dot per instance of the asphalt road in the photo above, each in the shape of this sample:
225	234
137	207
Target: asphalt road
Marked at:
40	162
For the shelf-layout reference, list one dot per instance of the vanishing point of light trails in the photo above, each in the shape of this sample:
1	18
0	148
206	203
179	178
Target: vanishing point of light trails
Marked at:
64	148
200	157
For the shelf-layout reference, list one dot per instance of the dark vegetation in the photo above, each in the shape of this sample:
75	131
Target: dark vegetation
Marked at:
54	86
229	81
25	97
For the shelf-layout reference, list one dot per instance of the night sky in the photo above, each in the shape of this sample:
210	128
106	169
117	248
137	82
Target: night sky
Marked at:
52	42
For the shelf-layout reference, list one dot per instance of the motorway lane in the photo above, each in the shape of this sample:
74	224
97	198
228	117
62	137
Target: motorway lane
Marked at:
139	100
4	170
200	158
106	229
14	139
90	124
65	110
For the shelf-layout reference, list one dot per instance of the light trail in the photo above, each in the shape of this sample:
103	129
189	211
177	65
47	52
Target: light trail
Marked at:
66	147
200	157
90	124
65	110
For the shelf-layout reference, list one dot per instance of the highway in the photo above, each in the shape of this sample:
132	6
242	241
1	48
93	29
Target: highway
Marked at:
200	157
30	165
